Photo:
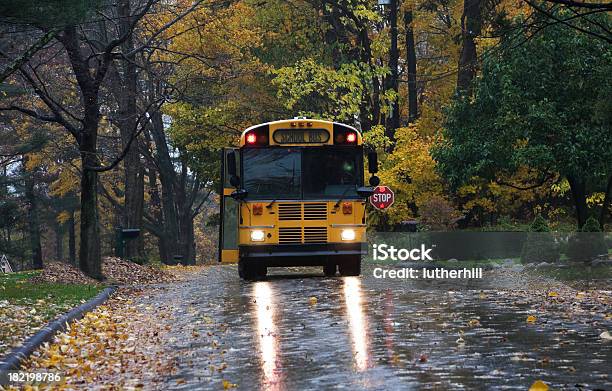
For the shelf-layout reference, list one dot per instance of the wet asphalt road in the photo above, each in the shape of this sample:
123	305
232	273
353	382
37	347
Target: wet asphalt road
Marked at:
366	334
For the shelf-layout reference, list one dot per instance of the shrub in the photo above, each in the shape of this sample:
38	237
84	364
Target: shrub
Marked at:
438	214
587	244
540	245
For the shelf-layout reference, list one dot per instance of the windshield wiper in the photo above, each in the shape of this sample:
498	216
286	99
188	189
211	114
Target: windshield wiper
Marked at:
342	197
270	204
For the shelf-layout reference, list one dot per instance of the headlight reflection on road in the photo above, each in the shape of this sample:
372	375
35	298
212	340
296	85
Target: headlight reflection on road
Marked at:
357	321
267	334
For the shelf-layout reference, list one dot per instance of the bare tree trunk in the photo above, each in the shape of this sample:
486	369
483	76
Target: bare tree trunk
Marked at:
605	208
393	122
72	239
33	221
90	261
578	188
187	238
471	25
411	67
125	91
167	177
368	113
59	242
158	215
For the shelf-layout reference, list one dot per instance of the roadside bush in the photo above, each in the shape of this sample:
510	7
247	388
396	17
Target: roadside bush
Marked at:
587	244
438	214
540	245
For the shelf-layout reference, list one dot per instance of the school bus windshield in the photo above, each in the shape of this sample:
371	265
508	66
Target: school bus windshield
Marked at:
302	173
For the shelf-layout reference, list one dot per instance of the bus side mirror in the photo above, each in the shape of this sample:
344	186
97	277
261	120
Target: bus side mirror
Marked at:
372	162
231	169
239	194
365	192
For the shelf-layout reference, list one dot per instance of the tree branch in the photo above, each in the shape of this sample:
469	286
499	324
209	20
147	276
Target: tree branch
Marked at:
27	55
570	3
57	115
42	117
138	129
530	187
163	28
551	16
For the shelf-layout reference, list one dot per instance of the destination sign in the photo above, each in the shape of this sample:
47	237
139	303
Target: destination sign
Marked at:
301	136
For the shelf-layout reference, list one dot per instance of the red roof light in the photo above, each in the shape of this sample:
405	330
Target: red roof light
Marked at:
251	138
351	138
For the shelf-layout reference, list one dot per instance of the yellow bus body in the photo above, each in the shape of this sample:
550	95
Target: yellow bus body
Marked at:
299	232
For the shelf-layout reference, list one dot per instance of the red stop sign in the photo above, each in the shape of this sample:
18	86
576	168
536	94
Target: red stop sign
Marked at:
382	198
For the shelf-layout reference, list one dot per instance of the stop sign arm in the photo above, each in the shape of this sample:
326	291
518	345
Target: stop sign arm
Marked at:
382	198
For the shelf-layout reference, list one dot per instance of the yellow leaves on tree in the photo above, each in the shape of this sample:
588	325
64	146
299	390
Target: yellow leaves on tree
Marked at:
66	182
213	43
410	171
482	197
214	65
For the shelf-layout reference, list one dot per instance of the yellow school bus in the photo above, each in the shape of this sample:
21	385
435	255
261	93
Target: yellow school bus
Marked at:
293	195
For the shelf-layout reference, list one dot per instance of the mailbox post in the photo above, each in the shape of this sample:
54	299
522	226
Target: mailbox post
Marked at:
121	235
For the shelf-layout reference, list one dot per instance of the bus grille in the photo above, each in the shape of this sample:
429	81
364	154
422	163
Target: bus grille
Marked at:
293	235
315	235
293	211
316	211
289	212
290	235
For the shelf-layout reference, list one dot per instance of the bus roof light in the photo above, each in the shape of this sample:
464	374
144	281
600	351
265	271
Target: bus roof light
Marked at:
351	138
251	138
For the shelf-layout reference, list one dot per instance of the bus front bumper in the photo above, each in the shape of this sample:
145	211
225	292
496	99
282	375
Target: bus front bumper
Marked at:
302	250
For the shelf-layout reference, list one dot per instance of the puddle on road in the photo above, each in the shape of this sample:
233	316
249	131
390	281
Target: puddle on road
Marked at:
359	335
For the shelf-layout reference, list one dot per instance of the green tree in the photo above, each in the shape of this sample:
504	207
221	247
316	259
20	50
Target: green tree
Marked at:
540	245
543	104
587	244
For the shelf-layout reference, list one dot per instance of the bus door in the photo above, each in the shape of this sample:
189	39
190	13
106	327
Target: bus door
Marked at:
228	226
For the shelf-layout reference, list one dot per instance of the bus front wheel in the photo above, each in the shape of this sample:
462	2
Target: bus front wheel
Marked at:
251	271
350	266
329	269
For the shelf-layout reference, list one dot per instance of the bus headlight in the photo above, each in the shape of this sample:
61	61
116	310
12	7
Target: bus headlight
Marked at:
257	235
347	234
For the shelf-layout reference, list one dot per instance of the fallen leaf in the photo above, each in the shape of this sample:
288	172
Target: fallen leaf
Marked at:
553	294
227	385
538	385
395	359
313	300
606	335
531	319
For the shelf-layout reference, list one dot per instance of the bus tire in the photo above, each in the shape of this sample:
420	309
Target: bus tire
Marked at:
250	271
329	269
350	266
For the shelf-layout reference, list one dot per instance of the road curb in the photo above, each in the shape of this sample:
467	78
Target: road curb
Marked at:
14	358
